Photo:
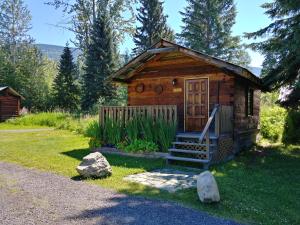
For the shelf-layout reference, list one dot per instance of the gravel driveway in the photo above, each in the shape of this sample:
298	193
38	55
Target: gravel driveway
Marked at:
29	196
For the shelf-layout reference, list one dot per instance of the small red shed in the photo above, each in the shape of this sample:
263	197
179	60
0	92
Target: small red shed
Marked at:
9	103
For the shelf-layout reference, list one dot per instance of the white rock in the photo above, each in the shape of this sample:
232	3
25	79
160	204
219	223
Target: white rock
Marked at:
207	188
94	165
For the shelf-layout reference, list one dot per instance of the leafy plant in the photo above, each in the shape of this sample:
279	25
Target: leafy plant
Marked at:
272	121
140	145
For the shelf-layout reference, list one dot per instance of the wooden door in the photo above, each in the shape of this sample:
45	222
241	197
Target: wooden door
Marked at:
196	104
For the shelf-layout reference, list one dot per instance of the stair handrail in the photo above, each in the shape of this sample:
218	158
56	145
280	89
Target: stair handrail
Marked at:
209	121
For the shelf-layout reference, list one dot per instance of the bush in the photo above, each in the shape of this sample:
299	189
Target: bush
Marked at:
139	146
272	121
291	133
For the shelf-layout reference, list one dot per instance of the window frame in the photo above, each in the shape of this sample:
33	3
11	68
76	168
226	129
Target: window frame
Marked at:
249	101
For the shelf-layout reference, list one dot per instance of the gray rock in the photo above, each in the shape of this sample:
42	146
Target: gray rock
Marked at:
94	165
207	188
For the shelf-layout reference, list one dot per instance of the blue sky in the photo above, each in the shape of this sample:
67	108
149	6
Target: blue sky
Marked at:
250	17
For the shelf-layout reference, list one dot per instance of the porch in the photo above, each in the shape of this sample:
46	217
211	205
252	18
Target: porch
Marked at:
203	147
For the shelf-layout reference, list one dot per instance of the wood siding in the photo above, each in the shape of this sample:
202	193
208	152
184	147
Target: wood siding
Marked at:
9	106
163	70
245	127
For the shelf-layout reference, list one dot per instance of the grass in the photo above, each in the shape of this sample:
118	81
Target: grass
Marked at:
256	188
59	120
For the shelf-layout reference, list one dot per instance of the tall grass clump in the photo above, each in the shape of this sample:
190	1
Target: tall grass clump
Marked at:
132	129
96	134
139	134
166	132
113	131
59	120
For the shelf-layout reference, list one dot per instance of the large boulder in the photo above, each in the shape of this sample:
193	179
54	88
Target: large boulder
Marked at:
94	165
207	188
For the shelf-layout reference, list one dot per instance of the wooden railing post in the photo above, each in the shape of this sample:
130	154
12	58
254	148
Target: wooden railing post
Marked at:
207	145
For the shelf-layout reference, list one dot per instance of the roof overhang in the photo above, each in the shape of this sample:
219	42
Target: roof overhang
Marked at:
11	91
163	46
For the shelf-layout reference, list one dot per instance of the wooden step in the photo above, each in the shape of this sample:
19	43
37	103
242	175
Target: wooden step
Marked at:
169	157
194	136
187	151
189	143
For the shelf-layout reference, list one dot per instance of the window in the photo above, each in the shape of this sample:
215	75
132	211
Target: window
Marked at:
249	102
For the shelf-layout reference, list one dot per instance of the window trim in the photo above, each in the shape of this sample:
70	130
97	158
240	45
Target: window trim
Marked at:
249	101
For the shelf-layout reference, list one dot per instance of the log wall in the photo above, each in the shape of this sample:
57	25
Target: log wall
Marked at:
9	106
164	70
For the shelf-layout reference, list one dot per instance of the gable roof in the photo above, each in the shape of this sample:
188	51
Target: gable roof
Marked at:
163	46
12	91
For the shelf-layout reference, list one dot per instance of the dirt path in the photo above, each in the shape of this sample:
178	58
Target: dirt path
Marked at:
30	196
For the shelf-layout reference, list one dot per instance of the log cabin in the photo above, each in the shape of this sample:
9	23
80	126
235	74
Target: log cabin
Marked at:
10	101
215	103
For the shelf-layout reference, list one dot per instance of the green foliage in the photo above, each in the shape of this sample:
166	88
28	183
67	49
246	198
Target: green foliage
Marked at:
281	48
143	129
99	63
95	132
139	145
132	129
272	121
65	88
166	132
153	25
113	132
291	134
207	28
57	120
21	64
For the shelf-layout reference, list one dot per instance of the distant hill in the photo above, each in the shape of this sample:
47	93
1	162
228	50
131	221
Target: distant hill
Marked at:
53	52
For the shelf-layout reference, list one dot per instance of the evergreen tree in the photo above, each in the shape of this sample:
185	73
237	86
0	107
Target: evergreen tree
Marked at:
207	28
281	49
153	25
99	63
65	90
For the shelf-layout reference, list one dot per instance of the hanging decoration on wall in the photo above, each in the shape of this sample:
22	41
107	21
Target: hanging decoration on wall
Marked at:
139	88
158	89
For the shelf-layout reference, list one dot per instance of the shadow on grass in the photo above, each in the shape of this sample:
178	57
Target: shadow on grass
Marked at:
120	161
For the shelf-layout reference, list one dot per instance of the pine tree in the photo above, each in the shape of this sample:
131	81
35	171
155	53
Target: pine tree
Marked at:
65	89
281	49
153	25
99	63
207	28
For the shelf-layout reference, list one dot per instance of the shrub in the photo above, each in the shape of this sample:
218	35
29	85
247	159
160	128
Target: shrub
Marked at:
139	146
272	122
291	133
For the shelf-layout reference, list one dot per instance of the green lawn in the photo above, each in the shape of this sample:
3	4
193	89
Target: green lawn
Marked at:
255	188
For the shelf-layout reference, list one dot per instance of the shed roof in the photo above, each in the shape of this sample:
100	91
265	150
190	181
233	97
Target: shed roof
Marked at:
163	46
12	91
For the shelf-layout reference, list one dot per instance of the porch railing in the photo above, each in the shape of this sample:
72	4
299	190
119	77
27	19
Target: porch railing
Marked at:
125	113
